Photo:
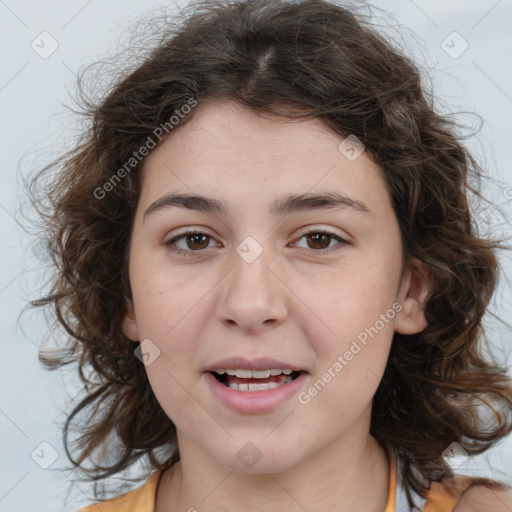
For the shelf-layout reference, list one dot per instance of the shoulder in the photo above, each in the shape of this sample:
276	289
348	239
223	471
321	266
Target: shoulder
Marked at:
468	494
141	499
480	498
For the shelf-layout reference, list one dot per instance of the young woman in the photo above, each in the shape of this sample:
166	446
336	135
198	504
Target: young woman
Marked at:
268	271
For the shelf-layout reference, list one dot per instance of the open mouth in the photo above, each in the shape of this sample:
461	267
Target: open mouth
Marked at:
254	380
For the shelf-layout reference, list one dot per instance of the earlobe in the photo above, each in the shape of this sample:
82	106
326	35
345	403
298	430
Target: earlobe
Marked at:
129	323
413	297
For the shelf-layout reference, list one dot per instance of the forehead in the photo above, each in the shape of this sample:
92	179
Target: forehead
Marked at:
225	129
232	152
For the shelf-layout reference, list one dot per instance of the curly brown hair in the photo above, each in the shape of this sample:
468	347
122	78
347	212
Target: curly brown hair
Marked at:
307	59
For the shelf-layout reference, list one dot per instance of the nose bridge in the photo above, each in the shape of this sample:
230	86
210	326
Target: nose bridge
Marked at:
252	293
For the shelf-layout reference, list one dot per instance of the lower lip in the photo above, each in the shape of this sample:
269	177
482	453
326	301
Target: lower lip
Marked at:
254	402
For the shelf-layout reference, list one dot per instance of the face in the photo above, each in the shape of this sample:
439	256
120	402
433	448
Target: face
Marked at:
262	276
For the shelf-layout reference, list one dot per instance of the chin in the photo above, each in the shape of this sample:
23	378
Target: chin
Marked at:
254	458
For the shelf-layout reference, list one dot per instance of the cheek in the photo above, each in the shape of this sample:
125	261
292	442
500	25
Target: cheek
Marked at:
342	305
351	327
175	395
168	299
349	370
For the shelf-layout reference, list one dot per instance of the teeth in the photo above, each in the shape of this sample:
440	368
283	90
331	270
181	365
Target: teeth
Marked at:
260	374
258	387
253	374
243	374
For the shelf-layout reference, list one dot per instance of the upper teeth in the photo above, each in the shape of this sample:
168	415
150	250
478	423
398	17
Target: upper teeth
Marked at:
252	374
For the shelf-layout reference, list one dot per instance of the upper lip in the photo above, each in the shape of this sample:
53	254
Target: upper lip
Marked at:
262	363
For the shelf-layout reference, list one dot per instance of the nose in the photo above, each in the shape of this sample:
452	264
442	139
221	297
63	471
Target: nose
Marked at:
253	296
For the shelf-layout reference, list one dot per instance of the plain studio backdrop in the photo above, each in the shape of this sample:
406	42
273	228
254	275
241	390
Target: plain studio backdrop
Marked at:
463	47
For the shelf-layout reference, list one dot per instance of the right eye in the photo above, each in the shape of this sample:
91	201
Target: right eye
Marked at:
195	241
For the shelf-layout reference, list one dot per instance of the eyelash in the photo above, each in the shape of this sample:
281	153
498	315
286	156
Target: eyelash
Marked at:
182	252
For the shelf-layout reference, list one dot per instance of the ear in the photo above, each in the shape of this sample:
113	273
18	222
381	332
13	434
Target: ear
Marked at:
129	323
414	292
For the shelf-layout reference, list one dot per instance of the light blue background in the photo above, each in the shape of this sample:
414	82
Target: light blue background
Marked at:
34	128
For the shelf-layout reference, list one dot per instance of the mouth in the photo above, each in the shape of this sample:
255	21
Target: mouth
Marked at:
256	386
254	380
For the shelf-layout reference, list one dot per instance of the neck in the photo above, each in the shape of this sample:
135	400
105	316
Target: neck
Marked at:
344	477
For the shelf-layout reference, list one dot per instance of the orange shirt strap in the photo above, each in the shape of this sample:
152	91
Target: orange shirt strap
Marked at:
140	500
391	504
443	496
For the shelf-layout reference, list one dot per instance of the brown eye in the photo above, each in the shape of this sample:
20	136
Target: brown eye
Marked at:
196	241
320	241
191	241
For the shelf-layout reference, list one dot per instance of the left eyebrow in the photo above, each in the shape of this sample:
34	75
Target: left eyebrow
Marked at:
325	201
281	206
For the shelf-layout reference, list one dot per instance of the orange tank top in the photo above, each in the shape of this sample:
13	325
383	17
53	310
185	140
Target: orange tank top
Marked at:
442	497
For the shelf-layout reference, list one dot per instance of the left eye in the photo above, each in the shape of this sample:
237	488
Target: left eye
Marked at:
195	241
322	240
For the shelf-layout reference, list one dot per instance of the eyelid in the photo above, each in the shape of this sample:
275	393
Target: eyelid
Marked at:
327	230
